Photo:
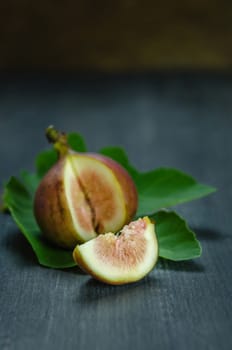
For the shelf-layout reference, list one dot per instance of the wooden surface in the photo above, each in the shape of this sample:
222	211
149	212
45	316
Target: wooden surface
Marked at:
177	120
117	35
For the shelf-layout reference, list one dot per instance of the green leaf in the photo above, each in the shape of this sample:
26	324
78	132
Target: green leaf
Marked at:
165	187
76	142
160	188
119	155
44	161
30	181
20	203
176	240
156	189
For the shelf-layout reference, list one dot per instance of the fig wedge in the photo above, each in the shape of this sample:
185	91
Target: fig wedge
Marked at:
123	258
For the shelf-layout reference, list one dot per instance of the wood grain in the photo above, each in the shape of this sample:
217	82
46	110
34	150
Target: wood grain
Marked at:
182	121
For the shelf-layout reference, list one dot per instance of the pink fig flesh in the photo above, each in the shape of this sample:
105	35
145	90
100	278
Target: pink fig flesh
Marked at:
120	259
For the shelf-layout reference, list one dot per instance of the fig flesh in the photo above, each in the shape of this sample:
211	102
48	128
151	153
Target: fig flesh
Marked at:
83	195
123	258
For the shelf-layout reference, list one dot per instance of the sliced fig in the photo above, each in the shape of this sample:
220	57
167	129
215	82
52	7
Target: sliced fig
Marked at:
123	258
83	195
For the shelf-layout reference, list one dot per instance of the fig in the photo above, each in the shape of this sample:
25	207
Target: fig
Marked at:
123	258
82	195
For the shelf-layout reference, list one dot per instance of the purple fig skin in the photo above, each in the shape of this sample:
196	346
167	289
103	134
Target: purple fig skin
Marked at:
52	207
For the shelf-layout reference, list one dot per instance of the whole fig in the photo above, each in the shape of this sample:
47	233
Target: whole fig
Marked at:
82	195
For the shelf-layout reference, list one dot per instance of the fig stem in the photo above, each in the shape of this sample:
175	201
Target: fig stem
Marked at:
58	139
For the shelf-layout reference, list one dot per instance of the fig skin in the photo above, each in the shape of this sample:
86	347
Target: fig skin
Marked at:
118	262
66	224
51	208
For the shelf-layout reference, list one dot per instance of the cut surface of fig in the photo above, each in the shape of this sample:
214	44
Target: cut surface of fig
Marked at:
78	205
123	258
102	192
82	196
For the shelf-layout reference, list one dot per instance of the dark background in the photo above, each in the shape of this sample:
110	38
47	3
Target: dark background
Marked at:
154	78
116	35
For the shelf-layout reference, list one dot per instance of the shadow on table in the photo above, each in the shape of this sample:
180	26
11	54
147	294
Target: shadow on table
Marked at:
207	234
94	291
20	247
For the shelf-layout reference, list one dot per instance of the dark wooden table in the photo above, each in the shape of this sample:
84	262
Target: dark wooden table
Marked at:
176	120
